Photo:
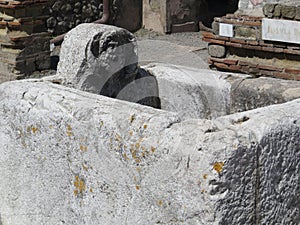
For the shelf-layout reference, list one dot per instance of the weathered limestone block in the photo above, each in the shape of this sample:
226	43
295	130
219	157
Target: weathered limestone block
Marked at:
102	53
192	93
218	51
71	157
247	94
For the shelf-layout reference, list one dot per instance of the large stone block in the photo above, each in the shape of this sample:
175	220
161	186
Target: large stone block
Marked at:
102	53
191	92
71	157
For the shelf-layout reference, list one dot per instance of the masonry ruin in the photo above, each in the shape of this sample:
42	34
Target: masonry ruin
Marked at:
110	140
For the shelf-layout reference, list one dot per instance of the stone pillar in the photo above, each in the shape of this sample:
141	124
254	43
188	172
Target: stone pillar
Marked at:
171	15
24	40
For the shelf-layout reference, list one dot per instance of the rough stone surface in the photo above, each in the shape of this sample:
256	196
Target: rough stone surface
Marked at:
192	93
102	55
217	51
288	12
71	157
247	94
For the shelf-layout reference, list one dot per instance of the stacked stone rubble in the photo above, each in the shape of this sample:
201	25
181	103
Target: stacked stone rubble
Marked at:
247	52
24	40
65	15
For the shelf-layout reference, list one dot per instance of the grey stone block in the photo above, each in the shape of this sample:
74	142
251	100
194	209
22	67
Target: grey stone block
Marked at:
102	54
288	12
218	51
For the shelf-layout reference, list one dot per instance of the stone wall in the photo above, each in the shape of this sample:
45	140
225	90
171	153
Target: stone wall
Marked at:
65	15
258	4
257	45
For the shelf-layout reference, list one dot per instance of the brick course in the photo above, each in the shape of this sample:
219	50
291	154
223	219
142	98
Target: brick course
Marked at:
252	45
24	40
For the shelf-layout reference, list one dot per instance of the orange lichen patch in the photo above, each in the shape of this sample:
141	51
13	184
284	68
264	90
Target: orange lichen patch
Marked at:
205	176
152	149
79	185
91	190
218	166
131	133
83	148
202	191
145	126
160	202
137	187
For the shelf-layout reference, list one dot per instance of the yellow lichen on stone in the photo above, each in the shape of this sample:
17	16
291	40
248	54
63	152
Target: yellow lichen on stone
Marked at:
118	138
145	126
131	133
137	187
91	190
125	156
160	202
218	166
79	185
137	145
205	176
85	167
152	149
69	131
32	129
131	118
83	148
101	123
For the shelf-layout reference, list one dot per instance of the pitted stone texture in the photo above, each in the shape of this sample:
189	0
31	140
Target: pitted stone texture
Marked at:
218	51
248	94
91	54
71	157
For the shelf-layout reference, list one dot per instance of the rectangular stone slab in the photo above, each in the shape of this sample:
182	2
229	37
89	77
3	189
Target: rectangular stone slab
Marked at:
281	30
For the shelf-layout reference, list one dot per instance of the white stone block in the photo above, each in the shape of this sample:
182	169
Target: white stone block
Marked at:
281	30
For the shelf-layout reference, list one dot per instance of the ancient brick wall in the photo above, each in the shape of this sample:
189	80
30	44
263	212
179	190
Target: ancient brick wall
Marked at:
237	43
24	40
